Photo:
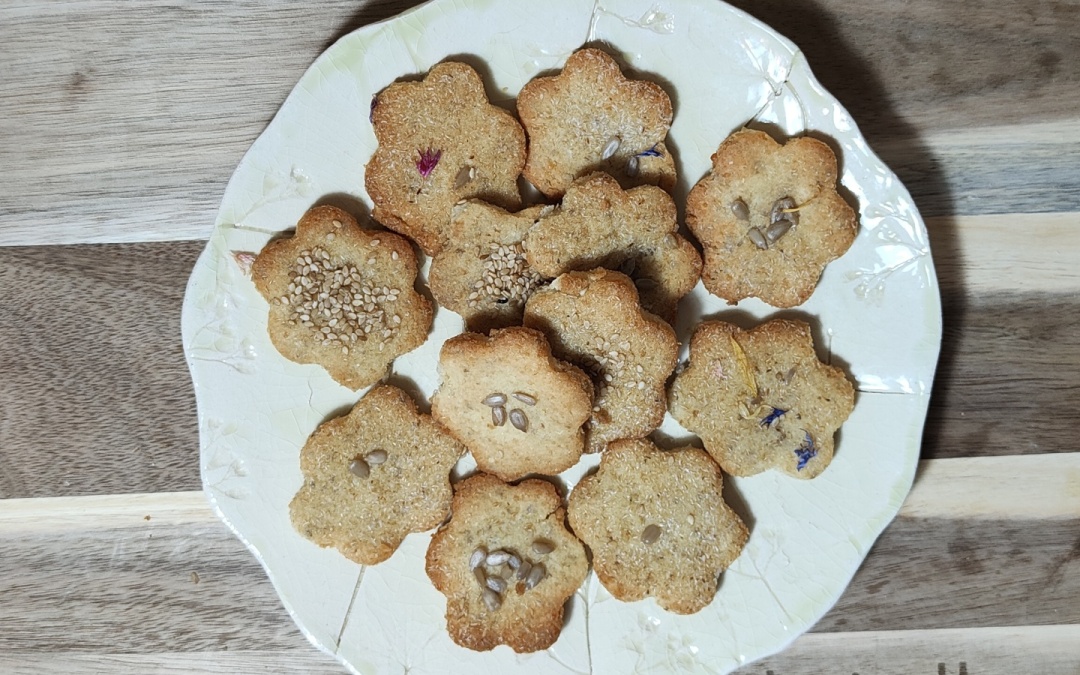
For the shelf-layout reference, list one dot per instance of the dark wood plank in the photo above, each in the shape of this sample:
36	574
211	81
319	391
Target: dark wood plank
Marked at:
1006	381
186	584
95	396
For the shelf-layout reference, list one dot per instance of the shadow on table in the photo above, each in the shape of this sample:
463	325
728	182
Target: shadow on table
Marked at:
834	54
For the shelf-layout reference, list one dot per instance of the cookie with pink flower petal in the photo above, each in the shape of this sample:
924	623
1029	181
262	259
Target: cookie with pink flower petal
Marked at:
440	141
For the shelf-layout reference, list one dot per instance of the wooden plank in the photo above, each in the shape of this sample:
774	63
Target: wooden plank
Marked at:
1007	253
133	139
91	355
979	651
306	660
1004	385
181	582
95	395
976	651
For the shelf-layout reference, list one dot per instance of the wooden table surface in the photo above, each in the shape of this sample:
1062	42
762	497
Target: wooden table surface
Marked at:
120	124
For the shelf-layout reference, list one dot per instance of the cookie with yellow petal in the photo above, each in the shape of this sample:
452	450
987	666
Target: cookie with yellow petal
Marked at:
760	399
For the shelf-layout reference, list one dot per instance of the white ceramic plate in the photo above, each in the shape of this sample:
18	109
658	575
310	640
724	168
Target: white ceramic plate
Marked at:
876	313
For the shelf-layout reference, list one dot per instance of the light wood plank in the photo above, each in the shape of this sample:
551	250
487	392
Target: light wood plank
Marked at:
1007	253
133	139
1048	650
1020	487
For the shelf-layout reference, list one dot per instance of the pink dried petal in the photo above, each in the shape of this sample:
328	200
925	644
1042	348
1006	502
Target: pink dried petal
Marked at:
428	160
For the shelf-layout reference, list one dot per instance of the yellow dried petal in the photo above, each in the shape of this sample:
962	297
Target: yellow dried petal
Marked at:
746	370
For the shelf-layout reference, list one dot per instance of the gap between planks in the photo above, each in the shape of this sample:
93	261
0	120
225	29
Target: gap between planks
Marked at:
1009	488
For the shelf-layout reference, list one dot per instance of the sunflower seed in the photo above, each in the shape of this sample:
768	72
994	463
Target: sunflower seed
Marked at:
495	399
478	556
778	229
481	576
525	398
784	208
542	547
524	569
740	209
758	238
497	557
536	575
519	420
611	148
498	416
513	562
632	166
375	457
496	584
464	177
650	534
360	468
492	599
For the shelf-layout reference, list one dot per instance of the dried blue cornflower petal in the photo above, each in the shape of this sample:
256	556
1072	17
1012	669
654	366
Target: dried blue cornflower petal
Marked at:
805	452
769	419
651	152
371	111
428	160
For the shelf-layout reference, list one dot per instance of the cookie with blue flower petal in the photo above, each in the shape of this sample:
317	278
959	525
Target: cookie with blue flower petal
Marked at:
761	399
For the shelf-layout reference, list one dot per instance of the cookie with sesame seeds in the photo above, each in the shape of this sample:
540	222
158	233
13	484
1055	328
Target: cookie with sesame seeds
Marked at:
440	141
506	564
769	218
598	224
594	320
761	399
482	273
657	524
342	297
373	476
591	117
517	408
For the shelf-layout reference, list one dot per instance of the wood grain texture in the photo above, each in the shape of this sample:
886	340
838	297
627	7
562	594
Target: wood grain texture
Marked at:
95	395
1046	650
131	118
160	574
91	337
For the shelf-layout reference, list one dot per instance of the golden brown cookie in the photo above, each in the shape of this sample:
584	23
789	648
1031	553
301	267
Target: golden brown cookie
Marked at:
518	409
657	524
482	273
373	476
769	218
590	117
506	564
440	141
593	320
599	225
760	399
342	297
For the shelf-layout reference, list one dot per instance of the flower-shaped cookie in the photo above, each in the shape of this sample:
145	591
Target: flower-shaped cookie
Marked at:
657	524
769	218
482	273
440	141
342	297
518	409
593	320
506	564
590	117
761	399
373	476
599	225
